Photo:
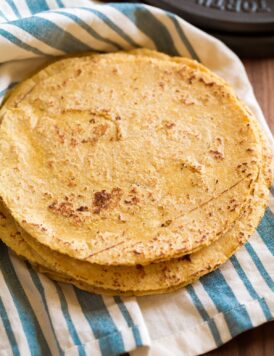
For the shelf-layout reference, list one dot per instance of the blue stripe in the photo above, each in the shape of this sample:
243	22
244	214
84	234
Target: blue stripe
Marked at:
204	314
20	43
225	301
130	323
183	37
143	19
8	328
60	3
3	15
37	6
89	29
51	34
4	91
252	292
32	329
101	323
69	322
260	266
266	230
112	25
40	288
14	8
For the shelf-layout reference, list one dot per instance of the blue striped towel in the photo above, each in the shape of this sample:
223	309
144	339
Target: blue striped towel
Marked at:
40	317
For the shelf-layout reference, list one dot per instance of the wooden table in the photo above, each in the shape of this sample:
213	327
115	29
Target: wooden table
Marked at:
259	341
261	75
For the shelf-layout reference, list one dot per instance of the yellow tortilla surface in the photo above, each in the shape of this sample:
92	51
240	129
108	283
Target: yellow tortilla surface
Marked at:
123	159
141	280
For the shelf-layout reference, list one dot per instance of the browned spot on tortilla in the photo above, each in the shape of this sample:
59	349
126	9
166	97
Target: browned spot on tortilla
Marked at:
217	154
100	130
101	199
65	209
59	134
82	208
169	125
105	200
133	201
166	223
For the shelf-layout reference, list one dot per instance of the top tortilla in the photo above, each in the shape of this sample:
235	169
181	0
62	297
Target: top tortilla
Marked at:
122	159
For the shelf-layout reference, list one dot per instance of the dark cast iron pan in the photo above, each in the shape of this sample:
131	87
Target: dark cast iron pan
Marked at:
247	26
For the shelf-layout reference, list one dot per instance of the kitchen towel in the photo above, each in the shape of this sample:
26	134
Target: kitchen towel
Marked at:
41	317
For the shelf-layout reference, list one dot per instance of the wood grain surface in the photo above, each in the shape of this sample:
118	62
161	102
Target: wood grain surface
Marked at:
261	75
259	341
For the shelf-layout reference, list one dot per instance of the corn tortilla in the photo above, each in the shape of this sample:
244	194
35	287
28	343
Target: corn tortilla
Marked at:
126	159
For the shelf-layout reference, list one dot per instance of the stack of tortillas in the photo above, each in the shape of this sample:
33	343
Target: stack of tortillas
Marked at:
129	173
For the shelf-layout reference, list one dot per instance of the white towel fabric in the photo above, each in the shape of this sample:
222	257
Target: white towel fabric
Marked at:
41	317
